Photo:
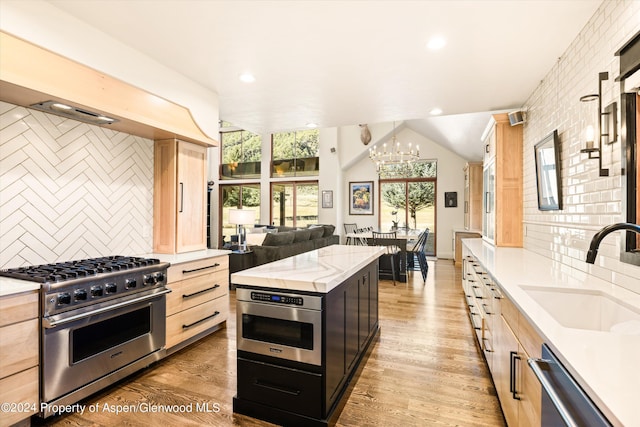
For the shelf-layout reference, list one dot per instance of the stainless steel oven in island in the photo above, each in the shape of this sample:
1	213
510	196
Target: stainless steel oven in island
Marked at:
304	325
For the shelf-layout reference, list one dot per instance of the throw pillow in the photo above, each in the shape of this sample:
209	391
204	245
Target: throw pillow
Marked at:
316	232
301	235
278	239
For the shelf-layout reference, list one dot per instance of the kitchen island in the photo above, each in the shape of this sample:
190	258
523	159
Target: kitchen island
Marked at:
304	326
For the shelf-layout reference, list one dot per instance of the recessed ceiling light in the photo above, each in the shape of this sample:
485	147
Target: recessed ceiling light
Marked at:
436	42
435	111
312	125
247	78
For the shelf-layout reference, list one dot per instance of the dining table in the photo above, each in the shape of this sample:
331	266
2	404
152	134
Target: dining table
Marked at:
402	240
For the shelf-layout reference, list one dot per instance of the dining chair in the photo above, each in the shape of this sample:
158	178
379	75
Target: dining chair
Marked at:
392	254
349	228
417	257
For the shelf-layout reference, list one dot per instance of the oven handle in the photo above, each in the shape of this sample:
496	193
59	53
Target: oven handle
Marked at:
48	323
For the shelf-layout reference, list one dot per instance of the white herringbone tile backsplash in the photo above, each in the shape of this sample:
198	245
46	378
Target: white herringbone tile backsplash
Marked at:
70	190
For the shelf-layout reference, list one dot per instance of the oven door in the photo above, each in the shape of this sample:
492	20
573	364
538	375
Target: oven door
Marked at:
284	332
81	346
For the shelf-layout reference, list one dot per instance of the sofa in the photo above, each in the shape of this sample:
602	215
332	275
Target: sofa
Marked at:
288	241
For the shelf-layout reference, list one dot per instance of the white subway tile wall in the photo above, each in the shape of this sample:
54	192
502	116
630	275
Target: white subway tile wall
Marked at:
590	201
70	190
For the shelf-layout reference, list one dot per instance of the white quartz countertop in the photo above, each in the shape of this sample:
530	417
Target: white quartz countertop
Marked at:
187	256
319	270
10	286
605	364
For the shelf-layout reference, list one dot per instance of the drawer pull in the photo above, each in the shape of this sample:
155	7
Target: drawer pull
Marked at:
513	356
484	308
200	321
201	268
201	292
277	388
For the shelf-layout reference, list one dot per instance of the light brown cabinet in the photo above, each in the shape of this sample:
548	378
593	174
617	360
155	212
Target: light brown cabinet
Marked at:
502	183
179	197
473	196
19	346
507	340
518	388
199	301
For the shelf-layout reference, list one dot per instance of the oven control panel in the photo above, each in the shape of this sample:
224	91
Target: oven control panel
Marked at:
277	298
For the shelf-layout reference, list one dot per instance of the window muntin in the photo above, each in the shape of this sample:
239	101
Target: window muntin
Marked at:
295	153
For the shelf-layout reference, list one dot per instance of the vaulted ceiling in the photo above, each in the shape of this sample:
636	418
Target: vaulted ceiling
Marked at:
337	63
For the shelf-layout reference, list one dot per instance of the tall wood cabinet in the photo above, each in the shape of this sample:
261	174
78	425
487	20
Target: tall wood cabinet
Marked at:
473	196
502	183
179	197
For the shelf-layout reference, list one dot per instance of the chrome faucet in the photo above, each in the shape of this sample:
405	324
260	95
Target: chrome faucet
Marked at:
597	238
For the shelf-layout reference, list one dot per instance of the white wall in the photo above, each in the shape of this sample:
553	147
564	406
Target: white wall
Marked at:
450	178
590	201
45	25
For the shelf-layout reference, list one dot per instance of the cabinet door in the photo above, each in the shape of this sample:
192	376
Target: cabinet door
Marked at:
488	203
191	200
505	370
372	275
363	307
335	343
351	322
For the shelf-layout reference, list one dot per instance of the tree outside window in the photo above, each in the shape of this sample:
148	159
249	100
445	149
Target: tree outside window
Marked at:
408	198
294	204
245	196
295	153
241	153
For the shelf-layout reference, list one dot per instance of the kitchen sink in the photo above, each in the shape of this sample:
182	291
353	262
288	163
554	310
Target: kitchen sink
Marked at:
586	309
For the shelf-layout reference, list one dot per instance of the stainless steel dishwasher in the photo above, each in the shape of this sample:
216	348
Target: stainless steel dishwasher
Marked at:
564	403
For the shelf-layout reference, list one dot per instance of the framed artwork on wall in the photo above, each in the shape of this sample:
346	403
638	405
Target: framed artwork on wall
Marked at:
327	199
548	180
361	198
451	199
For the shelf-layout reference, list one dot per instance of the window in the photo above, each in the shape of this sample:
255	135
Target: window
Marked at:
245	196
408	198
295	153
294	204
241	152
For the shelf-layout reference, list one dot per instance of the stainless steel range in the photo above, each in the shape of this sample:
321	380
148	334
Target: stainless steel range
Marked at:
102	319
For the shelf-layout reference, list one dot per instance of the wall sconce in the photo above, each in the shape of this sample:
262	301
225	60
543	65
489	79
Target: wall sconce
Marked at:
598	125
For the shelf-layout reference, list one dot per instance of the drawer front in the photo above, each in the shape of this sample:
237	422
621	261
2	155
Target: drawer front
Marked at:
510	313
201	267
18	347
20	390
529	338
283	388
196	290
188	323
19	307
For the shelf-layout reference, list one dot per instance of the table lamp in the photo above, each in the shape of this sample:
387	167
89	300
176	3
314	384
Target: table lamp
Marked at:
242	217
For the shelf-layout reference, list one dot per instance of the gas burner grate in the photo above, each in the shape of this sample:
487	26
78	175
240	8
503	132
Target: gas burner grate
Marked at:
70	270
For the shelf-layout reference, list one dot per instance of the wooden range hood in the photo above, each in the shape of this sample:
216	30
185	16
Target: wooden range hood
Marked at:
30	74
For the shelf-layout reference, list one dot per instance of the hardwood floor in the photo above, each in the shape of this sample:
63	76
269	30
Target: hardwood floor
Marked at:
424	369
